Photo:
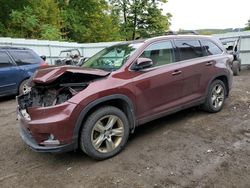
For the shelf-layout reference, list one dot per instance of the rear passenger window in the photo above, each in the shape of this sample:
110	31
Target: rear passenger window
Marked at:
5	60
161	53
211	48
25	57
189	49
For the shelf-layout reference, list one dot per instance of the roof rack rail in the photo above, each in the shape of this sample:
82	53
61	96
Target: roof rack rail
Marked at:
170	32
161	34
12	48
188	32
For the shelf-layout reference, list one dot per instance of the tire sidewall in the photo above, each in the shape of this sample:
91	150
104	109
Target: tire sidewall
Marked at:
20	89
236	68
85	138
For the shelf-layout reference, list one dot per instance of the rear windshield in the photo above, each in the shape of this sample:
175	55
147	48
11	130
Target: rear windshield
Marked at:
23	57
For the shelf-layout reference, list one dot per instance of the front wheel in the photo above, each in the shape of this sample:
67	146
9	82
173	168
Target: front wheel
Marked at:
105	133
24	87
216	97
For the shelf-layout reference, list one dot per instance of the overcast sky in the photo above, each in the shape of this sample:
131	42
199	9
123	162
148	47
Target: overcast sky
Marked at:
204	14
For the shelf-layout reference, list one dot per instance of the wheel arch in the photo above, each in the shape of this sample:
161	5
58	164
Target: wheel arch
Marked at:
20	82
224	79
118	100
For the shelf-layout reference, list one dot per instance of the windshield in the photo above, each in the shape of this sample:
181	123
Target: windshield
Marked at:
111	58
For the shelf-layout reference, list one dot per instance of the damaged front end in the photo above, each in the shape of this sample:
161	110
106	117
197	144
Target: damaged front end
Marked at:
52	94
47	118
47	91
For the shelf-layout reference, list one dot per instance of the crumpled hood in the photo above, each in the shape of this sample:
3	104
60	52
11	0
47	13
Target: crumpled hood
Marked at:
48	75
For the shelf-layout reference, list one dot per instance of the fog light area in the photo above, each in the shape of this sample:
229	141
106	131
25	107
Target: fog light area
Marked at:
51	141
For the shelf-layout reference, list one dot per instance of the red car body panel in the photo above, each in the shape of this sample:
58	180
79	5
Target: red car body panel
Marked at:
51	74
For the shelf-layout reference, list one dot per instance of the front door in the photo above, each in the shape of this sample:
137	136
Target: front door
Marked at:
9	75
159	87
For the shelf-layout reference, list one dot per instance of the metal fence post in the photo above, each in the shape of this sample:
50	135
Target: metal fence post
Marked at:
51	63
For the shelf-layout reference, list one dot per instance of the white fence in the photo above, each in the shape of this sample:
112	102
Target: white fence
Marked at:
244	44
51	49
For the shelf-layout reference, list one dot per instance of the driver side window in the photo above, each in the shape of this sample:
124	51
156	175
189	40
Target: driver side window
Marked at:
160	53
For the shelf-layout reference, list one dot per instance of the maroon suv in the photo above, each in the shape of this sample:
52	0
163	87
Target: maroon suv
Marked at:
96	107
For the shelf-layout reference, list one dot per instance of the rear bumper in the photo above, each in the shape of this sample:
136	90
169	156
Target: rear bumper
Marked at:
30	141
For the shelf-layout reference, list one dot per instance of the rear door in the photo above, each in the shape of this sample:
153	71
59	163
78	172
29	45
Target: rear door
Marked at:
195	68
9	74
199	67
212	59
158	88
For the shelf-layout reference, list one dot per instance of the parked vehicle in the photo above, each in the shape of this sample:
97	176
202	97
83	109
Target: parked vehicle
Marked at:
17	65
95	107
232	45
70	57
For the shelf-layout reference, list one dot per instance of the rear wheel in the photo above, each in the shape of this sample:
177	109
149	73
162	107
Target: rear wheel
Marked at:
24	88
236	68
216	97
104	133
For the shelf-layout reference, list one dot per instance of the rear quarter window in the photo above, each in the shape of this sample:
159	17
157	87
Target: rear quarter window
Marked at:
210	48
24	57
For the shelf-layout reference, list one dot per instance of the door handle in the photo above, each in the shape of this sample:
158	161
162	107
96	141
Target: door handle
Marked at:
176	72
209	63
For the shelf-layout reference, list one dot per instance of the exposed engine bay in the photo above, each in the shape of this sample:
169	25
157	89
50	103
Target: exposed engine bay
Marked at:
56	92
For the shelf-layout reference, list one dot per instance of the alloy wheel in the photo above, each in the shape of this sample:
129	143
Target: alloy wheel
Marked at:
218	96
26	89
107	133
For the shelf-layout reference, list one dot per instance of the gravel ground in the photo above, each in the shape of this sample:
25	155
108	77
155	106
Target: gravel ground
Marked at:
188	149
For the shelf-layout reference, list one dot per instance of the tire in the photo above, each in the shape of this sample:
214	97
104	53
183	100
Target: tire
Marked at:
24	88
236	68
105	133
215	99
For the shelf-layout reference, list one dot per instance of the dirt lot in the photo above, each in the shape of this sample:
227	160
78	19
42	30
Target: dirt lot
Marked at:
188	149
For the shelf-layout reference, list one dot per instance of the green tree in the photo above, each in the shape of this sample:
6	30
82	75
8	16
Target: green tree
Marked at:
142	18
89	21
5	9
82	21
39	19
247	25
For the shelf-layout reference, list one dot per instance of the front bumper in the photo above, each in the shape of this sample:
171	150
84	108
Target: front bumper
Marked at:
38	123
30	141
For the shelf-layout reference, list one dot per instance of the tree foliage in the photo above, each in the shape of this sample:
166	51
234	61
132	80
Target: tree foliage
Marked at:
90	21
83	21
248	25
38	19
141	18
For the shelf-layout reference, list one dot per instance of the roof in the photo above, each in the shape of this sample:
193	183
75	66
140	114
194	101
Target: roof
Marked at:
179	37
12	48
165	37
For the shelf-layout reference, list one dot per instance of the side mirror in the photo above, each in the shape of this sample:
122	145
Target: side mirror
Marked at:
142	63
43	57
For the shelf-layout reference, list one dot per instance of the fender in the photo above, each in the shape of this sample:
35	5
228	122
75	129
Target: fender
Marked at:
91	105
213	78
